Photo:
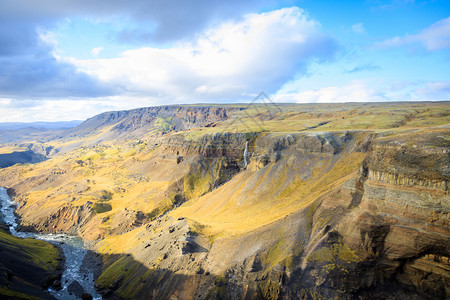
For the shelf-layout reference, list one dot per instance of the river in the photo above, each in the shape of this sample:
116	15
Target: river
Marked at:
73	249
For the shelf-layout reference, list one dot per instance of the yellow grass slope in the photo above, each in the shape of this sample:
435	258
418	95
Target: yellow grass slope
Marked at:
253	199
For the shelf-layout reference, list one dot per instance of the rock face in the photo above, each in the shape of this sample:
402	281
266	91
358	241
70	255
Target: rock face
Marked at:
134	123
402	221
66	218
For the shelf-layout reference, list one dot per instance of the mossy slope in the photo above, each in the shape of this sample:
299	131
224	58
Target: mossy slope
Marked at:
27	266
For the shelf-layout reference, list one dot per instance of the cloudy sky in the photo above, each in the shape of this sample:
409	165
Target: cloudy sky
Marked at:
66	59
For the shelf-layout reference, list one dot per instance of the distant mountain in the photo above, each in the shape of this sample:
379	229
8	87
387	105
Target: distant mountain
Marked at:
18	132
43	125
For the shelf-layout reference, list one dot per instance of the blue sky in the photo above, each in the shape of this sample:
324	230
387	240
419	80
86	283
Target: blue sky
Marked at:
64	60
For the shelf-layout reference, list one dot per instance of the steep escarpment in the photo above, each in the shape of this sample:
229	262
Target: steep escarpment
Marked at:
140	122
403	217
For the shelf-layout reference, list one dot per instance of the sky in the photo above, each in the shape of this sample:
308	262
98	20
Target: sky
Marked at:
70	60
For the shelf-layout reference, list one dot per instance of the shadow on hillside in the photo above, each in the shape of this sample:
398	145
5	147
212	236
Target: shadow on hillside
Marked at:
20	274
124	277
20	157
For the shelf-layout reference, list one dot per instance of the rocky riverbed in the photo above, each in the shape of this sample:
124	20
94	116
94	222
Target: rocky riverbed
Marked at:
78	278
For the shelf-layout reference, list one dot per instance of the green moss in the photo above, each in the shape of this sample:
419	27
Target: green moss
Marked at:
106	195
219	291
251	136
197	184
271	290
336	253
163	207
129	278
323	255
213	238
6	293
196	227
296	252
310	216
40	253
100	208
311	294
336	259
163	124
320	221
346	254
114	272
154	213
276	253
93	156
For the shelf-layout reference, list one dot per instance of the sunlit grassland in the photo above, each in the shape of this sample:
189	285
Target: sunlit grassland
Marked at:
336	117
120	243
87	173
241	206
11	149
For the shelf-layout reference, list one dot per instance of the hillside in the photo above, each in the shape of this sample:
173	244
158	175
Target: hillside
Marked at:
28	267
248	202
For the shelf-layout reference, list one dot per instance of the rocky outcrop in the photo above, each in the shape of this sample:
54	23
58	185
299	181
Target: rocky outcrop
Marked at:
65	219
268	148
45	150
227	145
427	167
399	229
177	117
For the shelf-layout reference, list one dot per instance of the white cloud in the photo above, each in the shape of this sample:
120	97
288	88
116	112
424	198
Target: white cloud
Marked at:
96	51
435	90
358	28
260	52
367	90
434	37
356	91
47	37
64	109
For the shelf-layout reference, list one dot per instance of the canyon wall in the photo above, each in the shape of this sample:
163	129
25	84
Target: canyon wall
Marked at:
312	214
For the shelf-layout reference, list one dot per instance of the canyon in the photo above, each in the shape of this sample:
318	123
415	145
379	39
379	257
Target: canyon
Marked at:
261	201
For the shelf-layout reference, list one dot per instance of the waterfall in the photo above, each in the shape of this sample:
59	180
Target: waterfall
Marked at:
245	154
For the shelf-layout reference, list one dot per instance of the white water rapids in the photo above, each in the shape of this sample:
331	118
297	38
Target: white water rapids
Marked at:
72	247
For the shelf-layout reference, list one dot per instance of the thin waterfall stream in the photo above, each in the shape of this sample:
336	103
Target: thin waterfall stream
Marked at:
245	154
73	249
